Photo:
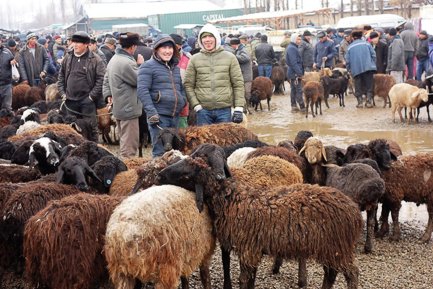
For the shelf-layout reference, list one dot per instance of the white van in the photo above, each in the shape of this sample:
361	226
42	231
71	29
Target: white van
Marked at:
378	20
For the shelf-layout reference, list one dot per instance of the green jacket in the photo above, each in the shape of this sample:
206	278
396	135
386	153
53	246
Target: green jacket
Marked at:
214	80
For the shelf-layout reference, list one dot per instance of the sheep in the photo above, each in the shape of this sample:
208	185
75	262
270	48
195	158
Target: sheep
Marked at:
261	89
238	158
279	222
61	130
406	95
223	134
288	144
105	122
421	84
34	94
52	93
55	116
313	95
21	205
27	126
73	171
7	149
71	229
106	169
40	106
316	75
170	238
358	181
19	95
408	179
228	150
17	174
135	162
8	131
5	117
30	115
300	138
334	86
123	183
90	151
382	85
81	125
278	76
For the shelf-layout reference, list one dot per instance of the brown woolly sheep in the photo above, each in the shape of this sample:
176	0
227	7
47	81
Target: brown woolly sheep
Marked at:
278	77
279	222
63	242
409	179
19	95
359	181
123	183
52	93
33	95
135	162
382	85
316	75
261	89
313	96
408	96
18	174
223	134
63	131
26	201
158	235
105	124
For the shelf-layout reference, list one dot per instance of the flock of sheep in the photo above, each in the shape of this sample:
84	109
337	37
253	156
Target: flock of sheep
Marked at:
73	215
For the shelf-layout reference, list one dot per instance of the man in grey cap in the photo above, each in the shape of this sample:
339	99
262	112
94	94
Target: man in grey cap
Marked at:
80	81
422	55
108	48
324	52
33	61
344	45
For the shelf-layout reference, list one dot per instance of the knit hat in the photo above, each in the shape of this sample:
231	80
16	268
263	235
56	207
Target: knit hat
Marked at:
307	33
128	39
374	34
347	32
80	37
42	41
423	32
177	38
392	32
235	41
30	36
57	37
11	43
110	40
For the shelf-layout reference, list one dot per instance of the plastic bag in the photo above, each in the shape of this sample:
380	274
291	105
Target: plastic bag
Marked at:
15	73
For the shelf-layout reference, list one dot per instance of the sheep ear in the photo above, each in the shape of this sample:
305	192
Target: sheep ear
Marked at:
393	156
199	197
32	160
92	174
415	94
324	153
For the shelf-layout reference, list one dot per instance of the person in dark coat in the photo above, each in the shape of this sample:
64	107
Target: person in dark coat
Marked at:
295	71
33	61
108	48
306	51
6	62
265	56
324	52
381	50
422	55
160	89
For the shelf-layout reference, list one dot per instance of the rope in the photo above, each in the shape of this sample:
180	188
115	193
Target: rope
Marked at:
80	113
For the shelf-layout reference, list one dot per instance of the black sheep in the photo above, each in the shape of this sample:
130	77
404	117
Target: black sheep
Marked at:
336	86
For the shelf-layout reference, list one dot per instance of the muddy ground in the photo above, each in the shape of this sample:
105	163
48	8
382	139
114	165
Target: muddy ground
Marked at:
393	265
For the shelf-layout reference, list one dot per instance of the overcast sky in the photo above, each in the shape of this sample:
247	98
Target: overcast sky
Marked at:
17	14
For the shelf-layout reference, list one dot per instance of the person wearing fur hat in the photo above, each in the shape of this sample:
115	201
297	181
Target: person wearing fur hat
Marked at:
160	90
6	62
214	82
80	81
361	63
33	61
295	71
120	89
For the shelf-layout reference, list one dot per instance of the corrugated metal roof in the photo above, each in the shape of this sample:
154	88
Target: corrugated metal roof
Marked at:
144	9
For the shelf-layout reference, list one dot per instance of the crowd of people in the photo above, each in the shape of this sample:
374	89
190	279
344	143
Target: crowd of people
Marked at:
210	75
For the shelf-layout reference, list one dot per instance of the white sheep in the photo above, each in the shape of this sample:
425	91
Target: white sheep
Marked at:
406	95
158	235
238	158
27	126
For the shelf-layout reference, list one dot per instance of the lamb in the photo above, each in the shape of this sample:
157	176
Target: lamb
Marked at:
27	126
278	77
52	93
71	229
21	205
170	238
105	122
358	181
408	179
421	84
313	95
123	183
238	158
256	221
7	149
55	116
316	75
19	95
382	85
45	154
261	89
90	151
340	71
17	174
30	115
135	162
406	95
334	86
106	169
223	134
74	170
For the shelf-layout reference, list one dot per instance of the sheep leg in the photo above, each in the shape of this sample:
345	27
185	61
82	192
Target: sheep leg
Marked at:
342	99
320	106
389	101
368	247
205	275
428	113
395	224
269	105
384	228
184	282
225	255
329	277
352	276
278	261
326	100
312	109
428	231
302	273
399	113
247	276
261	108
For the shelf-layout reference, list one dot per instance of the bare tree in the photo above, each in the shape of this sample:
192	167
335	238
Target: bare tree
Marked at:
342	8
351	7
380	6
367	8
359	7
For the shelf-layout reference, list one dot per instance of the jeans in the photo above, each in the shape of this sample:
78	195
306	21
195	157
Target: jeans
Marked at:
164	121
265	70
421	67
296	93
408	60
219	115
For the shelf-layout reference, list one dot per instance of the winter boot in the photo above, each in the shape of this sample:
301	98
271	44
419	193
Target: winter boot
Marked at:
359	105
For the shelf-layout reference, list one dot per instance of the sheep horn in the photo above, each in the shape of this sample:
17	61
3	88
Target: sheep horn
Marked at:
137	186
302	150
199	197
324	153
93	174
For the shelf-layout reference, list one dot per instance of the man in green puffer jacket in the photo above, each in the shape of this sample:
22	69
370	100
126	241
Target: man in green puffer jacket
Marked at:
214	82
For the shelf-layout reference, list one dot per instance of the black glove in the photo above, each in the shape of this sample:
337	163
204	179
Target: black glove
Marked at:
237	117
153	120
